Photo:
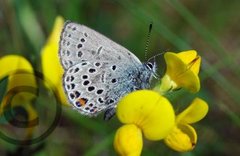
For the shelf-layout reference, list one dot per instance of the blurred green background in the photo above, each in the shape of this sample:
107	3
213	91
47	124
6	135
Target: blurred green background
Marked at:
210	27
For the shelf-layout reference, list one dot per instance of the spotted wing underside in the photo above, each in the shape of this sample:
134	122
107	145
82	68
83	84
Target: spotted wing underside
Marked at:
98	71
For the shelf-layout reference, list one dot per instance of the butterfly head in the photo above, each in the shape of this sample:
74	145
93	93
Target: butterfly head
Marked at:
151	67
146	74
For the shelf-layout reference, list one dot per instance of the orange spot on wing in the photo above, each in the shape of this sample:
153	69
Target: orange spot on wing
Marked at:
82	101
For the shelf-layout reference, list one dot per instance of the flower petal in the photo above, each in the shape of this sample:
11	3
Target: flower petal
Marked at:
13	63
187	56
149	111
182	138
195	65
51	66
191	58
20	73
175	65
128	140
58	25
189	81
182	73
193	113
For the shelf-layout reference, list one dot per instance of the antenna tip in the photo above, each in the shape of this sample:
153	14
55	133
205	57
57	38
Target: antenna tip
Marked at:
150	26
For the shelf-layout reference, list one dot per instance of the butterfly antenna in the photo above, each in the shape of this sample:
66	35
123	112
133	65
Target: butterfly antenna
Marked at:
148	38
154	57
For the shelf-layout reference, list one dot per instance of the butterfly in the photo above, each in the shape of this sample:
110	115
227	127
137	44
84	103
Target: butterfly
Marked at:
97	71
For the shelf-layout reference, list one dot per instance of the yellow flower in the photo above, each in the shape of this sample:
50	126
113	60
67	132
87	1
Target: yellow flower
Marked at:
147	112
183	137
182	71
20	76
51	66
128	140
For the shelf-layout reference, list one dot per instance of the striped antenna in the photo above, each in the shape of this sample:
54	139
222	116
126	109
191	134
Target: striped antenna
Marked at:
148	38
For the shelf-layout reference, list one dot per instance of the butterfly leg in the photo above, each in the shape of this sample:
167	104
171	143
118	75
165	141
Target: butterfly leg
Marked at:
109	113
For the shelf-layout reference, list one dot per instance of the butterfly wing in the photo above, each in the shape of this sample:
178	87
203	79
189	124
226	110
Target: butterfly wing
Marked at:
97	71
79	43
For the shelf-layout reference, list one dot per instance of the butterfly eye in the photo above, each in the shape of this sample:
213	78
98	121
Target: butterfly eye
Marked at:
149	65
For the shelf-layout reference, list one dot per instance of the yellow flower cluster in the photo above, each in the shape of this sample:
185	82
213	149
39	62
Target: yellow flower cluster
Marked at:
149	114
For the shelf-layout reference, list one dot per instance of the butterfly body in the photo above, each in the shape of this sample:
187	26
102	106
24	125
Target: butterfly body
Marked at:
98	71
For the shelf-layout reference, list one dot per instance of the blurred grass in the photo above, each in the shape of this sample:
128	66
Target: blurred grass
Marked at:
210	27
